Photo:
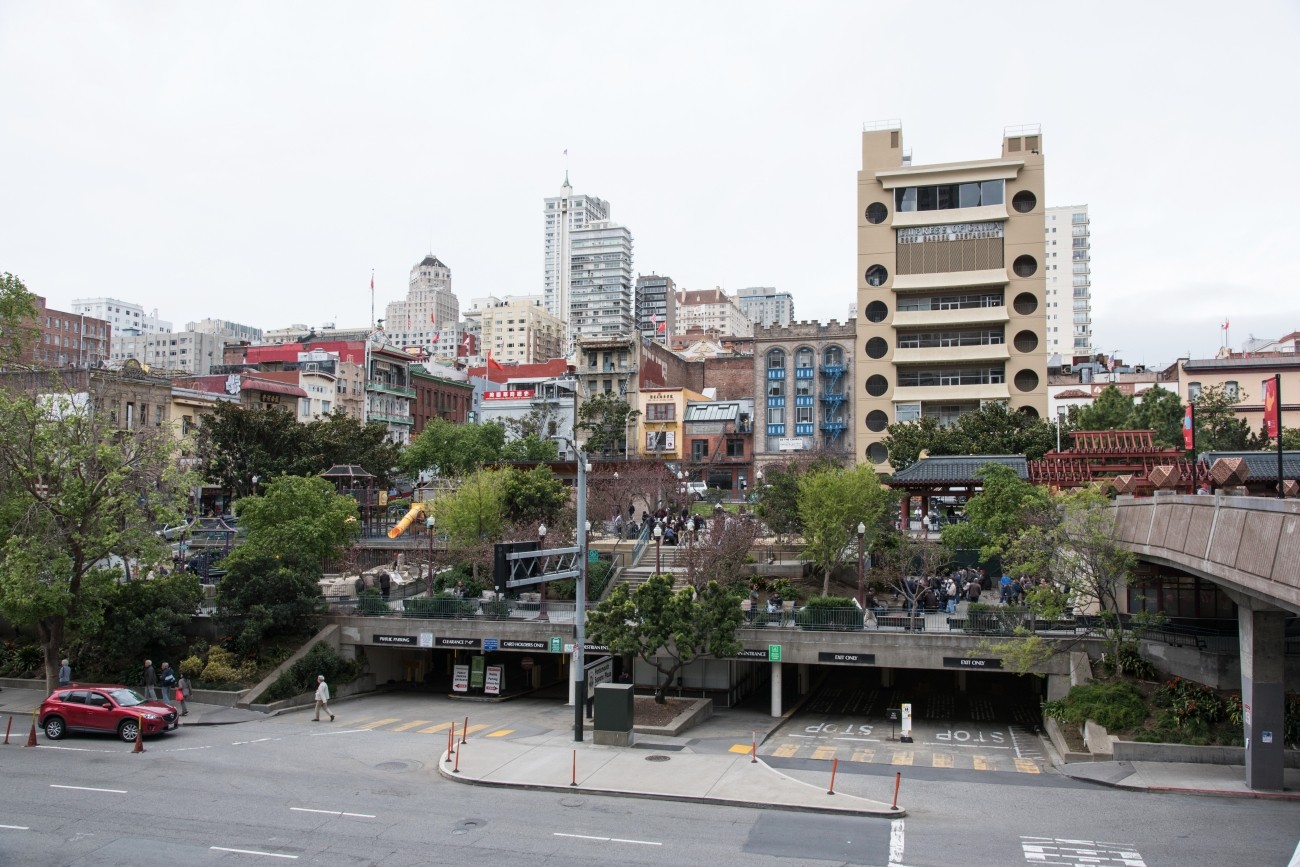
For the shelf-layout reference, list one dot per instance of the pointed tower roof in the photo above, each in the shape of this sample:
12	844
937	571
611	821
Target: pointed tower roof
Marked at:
433	261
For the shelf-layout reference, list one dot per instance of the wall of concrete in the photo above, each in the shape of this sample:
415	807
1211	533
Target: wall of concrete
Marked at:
1132	751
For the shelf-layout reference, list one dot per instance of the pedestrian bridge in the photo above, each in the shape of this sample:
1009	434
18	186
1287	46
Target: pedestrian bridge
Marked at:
1250	545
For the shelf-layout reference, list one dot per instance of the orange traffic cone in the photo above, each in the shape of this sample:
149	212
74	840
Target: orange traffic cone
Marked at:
31	735
139	737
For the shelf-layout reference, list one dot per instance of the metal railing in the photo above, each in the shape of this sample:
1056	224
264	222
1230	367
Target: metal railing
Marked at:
456	608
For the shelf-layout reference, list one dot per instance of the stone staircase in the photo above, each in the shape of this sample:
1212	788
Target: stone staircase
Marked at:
673	559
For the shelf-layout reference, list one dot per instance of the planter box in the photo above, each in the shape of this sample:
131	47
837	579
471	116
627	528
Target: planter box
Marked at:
1058	740
224	698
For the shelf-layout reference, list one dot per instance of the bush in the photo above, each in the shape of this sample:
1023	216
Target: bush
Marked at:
22	660
300	677
192	666
1127	660
496	609
442	605
1118	705
224	668
836	613
371	603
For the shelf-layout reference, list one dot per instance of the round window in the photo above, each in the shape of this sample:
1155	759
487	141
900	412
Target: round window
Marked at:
1025	303
1024	201
877	275
1029	411
877	453
1026	380
1025	266
877	385
876	213
877	311
877	421
1026	341
877	347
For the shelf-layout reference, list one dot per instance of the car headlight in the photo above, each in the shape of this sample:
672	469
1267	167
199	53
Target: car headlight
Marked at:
151	716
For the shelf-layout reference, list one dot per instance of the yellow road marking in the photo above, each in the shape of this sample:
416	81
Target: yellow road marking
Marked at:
379	722
982	763
785	751
941	760
1027	766
902	758
738	748
411	725
824	752
476	728
440	727
500	733
862	755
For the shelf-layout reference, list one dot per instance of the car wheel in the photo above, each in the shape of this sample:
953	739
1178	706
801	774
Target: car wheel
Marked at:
54	728
128	730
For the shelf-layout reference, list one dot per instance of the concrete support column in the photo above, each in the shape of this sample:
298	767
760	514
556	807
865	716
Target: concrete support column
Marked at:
961	681
1263	676
776	688
886	677
1058	686
805	678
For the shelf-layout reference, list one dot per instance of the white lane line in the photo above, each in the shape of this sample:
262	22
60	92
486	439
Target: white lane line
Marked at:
1295	859
88	789
252	852
186	749
865	740
75	749
1015	743
342	732
332	813
896	841
608	839
258	741
15	827
967	746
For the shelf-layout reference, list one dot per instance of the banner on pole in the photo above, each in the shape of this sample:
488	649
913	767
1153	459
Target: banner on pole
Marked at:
1189	435
1272	408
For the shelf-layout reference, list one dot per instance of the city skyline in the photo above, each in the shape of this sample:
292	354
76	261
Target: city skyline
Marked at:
207	167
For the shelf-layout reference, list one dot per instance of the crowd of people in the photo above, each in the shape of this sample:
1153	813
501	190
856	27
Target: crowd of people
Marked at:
676	524
944	592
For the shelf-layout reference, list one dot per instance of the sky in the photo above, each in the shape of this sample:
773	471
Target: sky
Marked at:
254	161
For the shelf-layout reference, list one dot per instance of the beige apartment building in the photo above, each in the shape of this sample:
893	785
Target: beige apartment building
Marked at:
951	285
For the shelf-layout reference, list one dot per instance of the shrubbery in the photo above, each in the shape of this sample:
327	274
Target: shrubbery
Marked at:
1115	704
300	677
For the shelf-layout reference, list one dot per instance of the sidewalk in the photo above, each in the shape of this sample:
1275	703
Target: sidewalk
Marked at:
22	703
1184	778
553	762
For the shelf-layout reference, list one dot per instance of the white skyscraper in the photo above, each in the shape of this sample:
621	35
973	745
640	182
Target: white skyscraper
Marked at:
1069	282
765	306
603	303
564	214
429	318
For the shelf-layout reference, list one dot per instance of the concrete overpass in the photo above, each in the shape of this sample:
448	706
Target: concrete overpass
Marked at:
1250	547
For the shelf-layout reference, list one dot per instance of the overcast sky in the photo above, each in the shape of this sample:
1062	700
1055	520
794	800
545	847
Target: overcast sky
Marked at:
254	161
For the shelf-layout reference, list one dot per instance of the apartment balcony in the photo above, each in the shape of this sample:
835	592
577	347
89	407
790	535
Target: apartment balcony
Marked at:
951	393
950	279
834	428
389	388
944	318
833	398
952	354
832	370
389	419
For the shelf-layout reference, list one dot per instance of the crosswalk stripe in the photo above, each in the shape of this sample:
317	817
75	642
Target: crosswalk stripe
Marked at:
736	748
982	763
379	722
476	728
862	755
1027	766
824	752
440	727
408	726
941	760
902	758
500	733
785	751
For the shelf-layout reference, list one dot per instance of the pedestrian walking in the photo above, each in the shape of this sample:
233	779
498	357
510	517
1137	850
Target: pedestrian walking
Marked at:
322	698
150	681
183	692
167	678
65	674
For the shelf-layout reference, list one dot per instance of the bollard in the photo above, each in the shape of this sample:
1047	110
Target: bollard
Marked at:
753	746
8	726
139	736
31	736
898	779
575	769
464	730
835	763
455	769
450	752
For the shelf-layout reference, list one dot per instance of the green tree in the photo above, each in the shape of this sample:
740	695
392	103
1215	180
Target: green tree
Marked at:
605	418
667	629
452	450
1111	410
235	444
906	440
1218	429
993	429
298	516
1161	410
338	438
537	495
1291	439
266	595
530	448
476	511
831	504
997	513
18	329
75	492
778	500
140	619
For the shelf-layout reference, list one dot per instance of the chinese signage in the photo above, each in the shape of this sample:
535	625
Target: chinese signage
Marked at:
950	232
510	394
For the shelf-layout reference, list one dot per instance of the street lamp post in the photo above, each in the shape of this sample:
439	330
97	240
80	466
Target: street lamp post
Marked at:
659	538
862	594
429	523
541	604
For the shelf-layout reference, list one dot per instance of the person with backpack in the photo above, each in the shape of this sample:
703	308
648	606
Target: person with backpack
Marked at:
167	678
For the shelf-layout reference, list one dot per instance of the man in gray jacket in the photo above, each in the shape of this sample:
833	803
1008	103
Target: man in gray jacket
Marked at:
150	681
322	698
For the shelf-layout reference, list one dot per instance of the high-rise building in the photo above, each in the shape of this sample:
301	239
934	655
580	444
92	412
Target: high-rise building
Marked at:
602	300
951	286
564	214
1069	283
765	306
428	321
656	306
516	328
712	311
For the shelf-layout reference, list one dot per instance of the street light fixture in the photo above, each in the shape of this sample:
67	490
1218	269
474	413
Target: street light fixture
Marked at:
541	605
429	523
659	538
862	596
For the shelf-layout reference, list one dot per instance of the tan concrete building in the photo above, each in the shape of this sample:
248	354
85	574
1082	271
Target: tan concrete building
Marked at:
951	265
1243	376
516	329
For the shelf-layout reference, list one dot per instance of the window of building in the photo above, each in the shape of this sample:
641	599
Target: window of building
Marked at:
941	197
1230	389
803	415
776	388
775	415
661	412
699	450
907	411
1193	390
735	447
776	358
803	358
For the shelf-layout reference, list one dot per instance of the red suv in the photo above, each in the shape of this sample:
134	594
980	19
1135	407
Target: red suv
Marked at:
101	708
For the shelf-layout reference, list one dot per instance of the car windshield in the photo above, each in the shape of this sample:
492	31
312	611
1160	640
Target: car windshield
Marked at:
127	697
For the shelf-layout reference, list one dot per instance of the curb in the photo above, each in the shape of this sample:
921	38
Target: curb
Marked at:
1175	790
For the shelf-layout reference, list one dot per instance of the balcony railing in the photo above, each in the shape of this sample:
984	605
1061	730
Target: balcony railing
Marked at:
389	388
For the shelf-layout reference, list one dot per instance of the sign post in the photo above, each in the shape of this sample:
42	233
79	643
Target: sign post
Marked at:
906	736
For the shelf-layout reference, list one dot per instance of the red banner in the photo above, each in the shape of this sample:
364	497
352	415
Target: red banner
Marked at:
1189	435
1272	409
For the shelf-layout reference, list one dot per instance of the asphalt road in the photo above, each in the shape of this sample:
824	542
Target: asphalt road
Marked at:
361	792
